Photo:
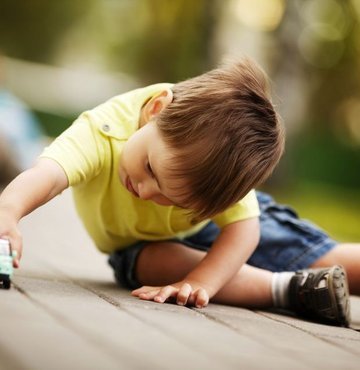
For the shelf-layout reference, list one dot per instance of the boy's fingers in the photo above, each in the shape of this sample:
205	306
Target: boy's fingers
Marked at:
143	289
201	298
16	258
183	294
16	263
146	292
191	299
136	292
16	248
165	293
150	295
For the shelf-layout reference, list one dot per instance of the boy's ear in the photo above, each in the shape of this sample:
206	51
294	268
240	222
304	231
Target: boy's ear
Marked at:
156	104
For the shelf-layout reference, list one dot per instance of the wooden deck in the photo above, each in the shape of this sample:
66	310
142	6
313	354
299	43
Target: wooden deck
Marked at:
64	311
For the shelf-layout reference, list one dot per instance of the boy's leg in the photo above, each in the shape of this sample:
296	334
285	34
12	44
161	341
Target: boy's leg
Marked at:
163	263
317	294
289	243
347	255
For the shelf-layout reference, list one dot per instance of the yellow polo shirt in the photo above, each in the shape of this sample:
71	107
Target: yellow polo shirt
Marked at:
89	152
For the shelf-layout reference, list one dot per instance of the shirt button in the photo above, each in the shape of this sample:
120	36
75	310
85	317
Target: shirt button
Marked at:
106	128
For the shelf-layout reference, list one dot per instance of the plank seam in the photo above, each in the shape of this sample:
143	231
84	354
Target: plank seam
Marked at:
319	336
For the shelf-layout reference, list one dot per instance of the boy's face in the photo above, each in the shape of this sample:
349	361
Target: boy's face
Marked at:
143	167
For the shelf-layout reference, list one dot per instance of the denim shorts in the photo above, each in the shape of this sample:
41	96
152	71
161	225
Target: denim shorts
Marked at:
287	243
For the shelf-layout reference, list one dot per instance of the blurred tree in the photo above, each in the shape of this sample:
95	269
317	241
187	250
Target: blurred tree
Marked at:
315	69
169	41
334	59
30	29
288	70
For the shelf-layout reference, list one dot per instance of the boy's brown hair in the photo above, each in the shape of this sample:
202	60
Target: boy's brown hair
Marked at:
226	135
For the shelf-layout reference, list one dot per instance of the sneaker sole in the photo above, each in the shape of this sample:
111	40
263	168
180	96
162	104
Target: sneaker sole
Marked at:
339	290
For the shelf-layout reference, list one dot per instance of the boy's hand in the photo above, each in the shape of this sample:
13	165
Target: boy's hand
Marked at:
28	191
9	231
182	292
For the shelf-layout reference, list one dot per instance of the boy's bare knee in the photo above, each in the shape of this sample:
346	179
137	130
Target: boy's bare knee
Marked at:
328	259
346	254
165	263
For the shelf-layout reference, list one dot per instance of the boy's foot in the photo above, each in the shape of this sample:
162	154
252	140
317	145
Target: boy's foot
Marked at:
321	294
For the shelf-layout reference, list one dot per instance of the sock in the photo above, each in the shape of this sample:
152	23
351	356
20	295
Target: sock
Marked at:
280	288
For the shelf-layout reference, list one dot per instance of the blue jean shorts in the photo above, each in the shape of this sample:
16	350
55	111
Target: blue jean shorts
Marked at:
287	243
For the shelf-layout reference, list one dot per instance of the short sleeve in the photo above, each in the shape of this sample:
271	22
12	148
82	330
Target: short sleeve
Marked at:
79	150
247	207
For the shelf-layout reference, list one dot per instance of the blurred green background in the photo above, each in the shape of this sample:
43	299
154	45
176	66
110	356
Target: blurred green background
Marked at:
63	57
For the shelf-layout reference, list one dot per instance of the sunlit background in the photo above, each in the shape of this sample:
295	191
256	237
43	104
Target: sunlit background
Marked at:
62	57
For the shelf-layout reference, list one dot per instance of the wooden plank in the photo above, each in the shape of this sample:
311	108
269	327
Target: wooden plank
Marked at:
129	341
343	338
284	335
355	313
33	339
218	341
8	357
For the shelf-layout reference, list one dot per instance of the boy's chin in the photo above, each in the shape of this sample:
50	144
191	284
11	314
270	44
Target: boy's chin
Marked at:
165	202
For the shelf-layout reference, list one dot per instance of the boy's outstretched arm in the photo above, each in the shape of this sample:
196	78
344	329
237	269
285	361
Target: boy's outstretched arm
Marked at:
28	191
230	251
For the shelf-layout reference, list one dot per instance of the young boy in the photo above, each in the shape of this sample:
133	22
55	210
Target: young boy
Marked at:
162	179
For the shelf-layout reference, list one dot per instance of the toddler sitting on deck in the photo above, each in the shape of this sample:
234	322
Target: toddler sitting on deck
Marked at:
163	180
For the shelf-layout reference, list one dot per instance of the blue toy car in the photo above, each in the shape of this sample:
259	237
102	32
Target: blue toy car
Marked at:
6	264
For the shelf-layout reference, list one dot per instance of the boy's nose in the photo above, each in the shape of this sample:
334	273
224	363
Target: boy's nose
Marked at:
146	191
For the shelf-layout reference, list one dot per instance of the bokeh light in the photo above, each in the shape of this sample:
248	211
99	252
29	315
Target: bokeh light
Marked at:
348	116
321	45
321	42
261	15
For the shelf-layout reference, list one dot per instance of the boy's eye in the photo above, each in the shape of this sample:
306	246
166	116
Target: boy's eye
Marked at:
149	169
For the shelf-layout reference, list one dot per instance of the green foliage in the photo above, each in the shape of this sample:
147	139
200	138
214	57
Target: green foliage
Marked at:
339	82
335	209
319	156
52	124
31	29
170	40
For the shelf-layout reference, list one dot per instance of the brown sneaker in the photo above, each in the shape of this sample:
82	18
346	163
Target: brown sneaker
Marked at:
321	294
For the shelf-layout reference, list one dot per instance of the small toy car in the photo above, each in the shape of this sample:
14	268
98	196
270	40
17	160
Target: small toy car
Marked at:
6	264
